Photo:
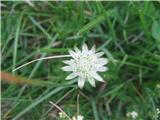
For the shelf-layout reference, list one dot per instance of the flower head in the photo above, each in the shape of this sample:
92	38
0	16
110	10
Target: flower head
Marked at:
158	111
132	114
62	115
85	64
79	117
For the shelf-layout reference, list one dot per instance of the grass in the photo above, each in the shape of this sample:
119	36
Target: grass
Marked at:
128	34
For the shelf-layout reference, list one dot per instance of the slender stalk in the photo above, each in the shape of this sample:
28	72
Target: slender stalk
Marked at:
78	104
60	109
45	58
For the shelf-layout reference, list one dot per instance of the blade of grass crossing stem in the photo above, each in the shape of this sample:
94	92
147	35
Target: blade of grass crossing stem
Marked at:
35	69
94	107
40	100
16	41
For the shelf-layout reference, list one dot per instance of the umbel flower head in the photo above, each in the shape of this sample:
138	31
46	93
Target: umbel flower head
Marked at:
85	65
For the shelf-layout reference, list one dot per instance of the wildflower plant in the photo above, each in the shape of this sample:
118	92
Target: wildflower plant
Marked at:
127	32
84	65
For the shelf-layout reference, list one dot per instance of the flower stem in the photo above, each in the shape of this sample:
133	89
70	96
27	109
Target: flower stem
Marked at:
60	110
45	58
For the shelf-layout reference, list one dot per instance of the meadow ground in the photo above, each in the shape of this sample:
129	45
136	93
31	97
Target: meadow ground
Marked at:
127	32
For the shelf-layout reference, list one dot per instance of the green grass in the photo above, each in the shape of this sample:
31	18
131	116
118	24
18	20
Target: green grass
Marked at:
127	32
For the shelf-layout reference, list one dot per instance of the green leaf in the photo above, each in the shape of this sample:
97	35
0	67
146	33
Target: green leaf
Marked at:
94	107
16	41
156	30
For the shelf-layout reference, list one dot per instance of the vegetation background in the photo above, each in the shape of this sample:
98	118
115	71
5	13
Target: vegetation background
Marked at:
127	32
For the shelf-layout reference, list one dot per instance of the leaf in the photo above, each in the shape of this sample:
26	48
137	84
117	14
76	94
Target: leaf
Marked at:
156	30
95	111
16	41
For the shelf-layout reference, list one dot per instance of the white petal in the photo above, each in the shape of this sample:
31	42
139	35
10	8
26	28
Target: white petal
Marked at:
99	54
72	53
67	68
92	81
102	69
81	82
68	62
84	48
77	50
102	61
71	76
96	76
93	50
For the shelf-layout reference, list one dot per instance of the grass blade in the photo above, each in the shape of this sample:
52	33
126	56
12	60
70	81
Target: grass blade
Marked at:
16	42
96	116
91	24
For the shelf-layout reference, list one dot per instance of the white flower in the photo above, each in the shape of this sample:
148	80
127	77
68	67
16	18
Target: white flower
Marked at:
62	115
158	111
79	117
74	118
132	114
85	64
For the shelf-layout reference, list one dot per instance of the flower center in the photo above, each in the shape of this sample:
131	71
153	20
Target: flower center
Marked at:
85	64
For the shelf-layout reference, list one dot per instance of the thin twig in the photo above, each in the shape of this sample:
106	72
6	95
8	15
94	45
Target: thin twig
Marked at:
45	58
60	109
